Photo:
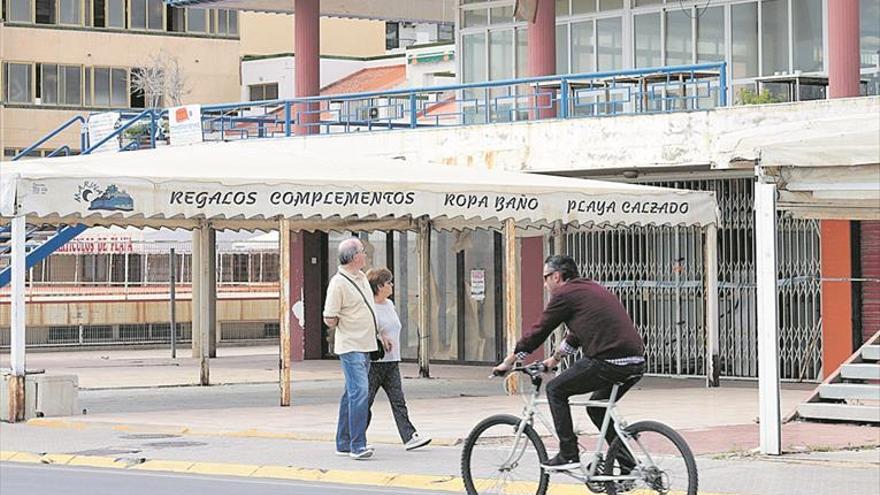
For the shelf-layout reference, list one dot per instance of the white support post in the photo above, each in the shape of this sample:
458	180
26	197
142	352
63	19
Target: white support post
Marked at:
18	321
17	343
207	301
768	340
710	272
511	285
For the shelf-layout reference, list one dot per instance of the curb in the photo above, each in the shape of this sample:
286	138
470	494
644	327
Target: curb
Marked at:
249	433
445	483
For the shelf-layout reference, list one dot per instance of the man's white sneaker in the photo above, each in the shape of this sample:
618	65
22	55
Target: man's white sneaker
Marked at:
417	441
344	453
362	455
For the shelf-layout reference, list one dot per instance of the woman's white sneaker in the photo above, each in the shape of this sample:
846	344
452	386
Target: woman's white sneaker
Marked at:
417	441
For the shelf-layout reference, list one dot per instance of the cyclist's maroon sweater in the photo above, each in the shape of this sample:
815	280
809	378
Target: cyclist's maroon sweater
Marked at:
597	322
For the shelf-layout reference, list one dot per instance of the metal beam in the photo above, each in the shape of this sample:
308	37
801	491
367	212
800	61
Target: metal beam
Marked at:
424	247
710	272
768	338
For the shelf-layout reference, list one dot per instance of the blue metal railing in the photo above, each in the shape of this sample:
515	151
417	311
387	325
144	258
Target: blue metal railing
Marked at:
624	92
79	118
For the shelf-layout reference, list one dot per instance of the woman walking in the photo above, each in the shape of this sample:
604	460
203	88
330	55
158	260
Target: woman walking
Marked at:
385	373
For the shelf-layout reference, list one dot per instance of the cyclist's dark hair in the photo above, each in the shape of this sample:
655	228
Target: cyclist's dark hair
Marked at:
565	265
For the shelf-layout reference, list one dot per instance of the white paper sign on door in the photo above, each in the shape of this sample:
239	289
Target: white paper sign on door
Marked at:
478	284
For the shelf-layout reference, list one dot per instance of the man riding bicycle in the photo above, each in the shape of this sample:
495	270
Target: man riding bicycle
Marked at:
613	351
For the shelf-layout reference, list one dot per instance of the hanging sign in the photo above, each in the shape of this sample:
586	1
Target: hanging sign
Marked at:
100	126
185	125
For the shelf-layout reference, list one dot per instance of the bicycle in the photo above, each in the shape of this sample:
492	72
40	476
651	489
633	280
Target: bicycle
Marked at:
491	455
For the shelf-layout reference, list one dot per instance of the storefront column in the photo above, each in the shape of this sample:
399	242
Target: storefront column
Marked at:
306	61
836	249
542	54
205	298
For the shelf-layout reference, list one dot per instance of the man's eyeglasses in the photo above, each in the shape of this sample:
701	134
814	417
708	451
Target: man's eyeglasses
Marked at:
548	274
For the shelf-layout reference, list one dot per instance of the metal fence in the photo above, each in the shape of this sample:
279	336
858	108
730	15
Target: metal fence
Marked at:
623	92
657	272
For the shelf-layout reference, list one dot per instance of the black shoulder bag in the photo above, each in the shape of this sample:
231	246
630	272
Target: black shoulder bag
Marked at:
379	353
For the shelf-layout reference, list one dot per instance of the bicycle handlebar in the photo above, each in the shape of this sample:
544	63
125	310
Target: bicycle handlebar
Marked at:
532	370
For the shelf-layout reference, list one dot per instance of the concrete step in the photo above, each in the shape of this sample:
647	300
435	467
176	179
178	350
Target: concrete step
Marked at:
850	391
860	371
871	353
839	412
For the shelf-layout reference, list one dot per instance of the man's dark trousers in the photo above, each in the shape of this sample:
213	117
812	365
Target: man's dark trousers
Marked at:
584	376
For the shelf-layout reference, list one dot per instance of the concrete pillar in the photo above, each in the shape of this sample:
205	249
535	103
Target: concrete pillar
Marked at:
843	48
836	249
204	299
307	81
541	59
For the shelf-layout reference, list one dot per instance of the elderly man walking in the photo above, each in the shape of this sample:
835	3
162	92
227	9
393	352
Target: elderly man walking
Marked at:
349	310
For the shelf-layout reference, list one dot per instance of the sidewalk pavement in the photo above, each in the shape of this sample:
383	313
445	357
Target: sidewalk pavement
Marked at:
715	420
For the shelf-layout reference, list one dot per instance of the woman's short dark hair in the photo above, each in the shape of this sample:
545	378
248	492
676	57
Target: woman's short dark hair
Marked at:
379	277
565	265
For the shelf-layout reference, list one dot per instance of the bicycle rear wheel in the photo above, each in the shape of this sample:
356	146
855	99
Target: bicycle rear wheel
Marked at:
668	466
492	462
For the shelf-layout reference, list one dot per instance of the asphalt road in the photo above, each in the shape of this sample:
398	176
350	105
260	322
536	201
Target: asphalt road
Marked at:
32	479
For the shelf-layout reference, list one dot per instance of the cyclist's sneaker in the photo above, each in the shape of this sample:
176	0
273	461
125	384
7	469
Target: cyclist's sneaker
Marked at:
560	463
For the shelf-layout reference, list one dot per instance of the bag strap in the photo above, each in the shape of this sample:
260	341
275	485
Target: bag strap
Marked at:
375	323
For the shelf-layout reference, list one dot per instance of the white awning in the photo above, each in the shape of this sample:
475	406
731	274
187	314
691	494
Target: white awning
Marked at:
252	184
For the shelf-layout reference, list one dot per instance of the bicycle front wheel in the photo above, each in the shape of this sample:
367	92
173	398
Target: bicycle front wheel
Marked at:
495	461
667	464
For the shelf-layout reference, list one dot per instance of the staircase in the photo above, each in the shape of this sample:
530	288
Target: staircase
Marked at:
40	242
852	393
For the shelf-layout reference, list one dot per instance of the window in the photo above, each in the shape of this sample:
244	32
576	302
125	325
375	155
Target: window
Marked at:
18	82
647	40
60	84
744	39
445	32
392	35
146	14
522	52
477	17
679	48
116	13
45	12
233	23
774	36
176	20
870	33
260	92
110	87
562	7
710	35
610	4
197	20
69	12
610	43
582	59
473	57
562	49
807	25
501	54
19	11
583	6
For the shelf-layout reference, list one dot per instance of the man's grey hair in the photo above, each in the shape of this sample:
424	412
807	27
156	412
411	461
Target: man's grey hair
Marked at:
348	249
